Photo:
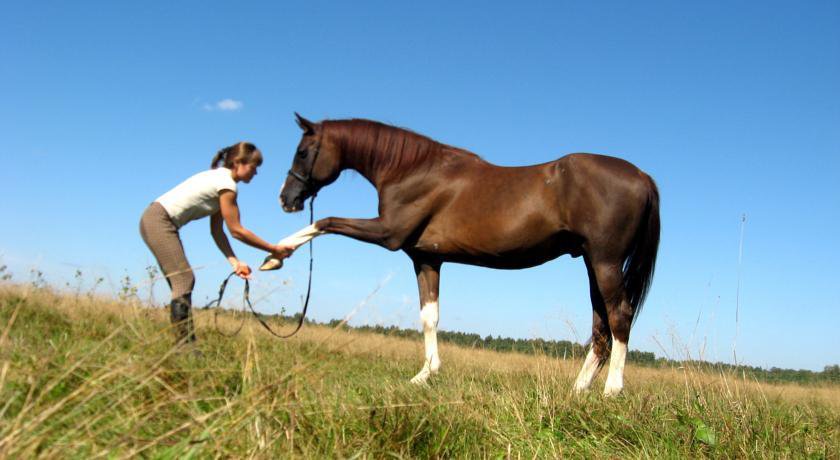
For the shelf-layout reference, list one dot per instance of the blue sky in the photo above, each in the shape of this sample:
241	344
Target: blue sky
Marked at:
733	108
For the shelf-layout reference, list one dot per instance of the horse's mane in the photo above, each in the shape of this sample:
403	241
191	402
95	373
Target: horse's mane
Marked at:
384	149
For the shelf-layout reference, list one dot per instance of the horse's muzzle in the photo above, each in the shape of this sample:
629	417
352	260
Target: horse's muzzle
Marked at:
295	206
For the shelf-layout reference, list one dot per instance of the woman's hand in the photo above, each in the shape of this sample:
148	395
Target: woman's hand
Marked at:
242	270
281	252
275	260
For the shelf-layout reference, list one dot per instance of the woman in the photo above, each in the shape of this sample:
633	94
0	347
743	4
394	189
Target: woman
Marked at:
209	193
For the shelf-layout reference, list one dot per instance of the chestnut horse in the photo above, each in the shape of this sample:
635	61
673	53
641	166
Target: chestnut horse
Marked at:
439	203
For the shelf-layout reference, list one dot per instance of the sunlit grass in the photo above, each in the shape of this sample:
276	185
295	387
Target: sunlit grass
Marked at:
83	377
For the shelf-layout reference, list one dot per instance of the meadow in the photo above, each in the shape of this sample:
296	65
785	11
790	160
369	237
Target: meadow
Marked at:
85	376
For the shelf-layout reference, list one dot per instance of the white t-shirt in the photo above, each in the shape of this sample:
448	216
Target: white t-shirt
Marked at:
197	196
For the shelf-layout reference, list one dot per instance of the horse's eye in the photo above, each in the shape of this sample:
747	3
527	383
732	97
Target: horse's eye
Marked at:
302	153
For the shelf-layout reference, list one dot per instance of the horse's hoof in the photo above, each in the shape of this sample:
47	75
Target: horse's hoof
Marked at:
580	391
421	379
270	263
610	392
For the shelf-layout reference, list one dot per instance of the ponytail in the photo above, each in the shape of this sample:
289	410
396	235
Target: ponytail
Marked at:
220	158
243	152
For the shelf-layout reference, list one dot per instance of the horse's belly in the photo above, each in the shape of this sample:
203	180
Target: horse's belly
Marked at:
513	252
506	262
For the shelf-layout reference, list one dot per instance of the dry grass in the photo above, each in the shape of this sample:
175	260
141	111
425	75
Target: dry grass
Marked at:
88	377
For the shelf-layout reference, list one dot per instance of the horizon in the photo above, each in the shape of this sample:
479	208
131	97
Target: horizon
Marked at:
731	109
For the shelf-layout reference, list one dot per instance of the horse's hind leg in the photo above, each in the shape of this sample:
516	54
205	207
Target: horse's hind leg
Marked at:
620	316
600	349
428	283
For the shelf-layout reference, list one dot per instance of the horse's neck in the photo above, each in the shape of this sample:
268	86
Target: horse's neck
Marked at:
378	166
367	162
362	165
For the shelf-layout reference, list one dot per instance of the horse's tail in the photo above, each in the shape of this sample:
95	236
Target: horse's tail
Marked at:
641	261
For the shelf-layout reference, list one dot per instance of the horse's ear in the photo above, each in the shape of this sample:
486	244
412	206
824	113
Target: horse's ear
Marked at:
307	126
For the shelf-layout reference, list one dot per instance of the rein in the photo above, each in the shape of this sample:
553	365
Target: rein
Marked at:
246	298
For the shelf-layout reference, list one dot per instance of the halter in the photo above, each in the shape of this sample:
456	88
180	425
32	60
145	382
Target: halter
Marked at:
308	183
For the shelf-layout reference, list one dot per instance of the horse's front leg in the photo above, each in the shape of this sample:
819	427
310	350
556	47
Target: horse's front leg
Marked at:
374	231
428	283
367	230
293	241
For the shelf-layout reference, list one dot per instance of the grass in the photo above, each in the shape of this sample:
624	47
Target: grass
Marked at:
85	377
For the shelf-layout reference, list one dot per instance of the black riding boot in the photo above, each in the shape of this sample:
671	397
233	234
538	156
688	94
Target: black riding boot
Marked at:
182	322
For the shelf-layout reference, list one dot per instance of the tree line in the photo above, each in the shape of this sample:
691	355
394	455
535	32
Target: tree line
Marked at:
564	349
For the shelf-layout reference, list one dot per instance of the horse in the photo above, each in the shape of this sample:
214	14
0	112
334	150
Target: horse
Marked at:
439	203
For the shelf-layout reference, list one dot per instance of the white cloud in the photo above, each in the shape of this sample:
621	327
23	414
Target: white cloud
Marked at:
229	104
226	105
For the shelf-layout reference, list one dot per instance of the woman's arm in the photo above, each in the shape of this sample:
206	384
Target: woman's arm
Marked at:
230	213
240	268
221	239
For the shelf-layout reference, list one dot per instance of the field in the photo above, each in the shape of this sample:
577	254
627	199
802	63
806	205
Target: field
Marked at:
86	377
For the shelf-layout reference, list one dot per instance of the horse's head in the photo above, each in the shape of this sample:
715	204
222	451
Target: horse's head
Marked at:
316	164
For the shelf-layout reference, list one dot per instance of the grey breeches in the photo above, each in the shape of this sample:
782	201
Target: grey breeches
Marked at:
161	236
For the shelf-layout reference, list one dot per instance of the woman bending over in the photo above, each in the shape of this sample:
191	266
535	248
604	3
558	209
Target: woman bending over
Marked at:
208	193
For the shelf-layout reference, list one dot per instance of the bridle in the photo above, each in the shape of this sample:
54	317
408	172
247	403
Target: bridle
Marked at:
308	183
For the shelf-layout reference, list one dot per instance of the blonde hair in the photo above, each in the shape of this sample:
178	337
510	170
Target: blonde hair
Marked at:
243	152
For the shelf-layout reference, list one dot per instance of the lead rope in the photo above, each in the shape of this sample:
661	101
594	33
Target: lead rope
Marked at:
246	298
217	302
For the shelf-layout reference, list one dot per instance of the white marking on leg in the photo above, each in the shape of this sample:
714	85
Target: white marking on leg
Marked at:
615	379
590	369
429	316
301	237
295	240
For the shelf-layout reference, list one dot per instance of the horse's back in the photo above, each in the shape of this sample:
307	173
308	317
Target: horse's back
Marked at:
602	167
574	169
